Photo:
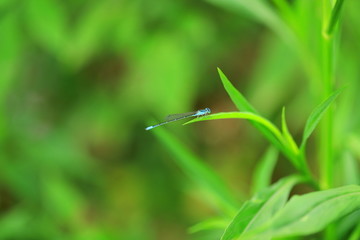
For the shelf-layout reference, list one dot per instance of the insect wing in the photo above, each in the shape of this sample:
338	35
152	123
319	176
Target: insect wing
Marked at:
179	115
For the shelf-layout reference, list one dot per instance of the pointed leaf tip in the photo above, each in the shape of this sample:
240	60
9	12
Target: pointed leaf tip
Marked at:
316	116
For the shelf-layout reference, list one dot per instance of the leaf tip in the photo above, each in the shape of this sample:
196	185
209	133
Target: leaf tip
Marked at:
221	73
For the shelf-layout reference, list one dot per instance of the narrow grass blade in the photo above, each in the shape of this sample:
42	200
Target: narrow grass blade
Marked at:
316	115
260	208
264	170
237	98
271	128
196	170
311	213
210	224
289	139
243	105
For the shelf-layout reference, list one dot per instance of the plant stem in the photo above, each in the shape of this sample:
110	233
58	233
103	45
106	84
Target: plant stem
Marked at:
326	128
326	160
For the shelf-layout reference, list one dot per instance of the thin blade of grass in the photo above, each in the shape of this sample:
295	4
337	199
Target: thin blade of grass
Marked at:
270	128
199	172
267	128
209	224
289	139
237	98
316	116
243	105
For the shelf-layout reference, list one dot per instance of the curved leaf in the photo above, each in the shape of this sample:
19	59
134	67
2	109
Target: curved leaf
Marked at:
243	105
260	208
311	213
237	98
316	115
209	224
243	115
289	139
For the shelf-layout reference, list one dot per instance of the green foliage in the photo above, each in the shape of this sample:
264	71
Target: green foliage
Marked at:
323	207
199	172
260	208
250	211
209	225
78	79
262	124
285	131
315	117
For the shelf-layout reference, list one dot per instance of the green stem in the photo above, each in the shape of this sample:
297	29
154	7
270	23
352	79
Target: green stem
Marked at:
330	18
326	128
305	171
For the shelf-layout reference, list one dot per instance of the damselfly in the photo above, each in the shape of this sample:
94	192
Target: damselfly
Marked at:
176	117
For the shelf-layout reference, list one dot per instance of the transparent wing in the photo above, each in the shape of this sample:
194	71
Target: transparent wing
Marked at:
179	115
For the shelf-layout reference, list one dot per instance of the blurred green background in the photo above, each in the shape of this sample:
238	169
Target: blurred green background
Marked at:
80	80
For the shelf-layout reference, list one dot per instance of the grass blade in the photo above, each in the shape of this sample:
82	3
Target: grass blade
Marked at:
199	172
209	224
260	208
237	98
270	131
316	115
287	136
311	213
271	128
243	105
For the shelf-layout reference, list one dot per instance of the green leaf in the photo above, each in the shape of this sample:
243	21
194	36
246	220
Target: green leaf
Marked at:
260	208
346	224
289	139
264	170
243	105
215	223
199	172
238	99
311	213
271	128
316	115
